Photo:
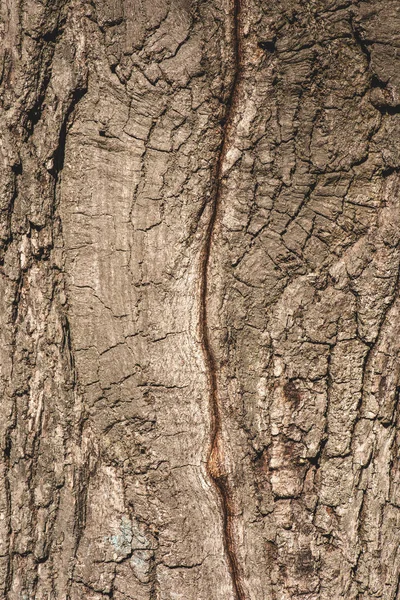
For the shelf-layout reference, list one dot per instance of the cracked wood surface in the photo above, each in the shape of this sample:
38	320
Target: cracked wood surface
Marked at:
199	229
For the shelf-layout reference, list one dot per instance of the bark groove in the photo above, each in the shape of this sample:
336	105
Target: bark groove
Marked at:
215	462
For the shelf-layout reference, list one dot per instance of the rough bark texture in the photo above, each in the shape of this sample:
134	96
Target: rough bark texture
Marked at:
200	311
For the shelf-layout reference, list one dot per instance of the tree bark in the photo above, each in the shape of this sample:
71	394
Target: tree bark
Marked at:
199	271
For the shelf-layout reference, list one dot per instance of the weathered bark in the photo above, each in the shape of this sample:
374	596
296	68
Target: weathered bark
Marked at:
199	227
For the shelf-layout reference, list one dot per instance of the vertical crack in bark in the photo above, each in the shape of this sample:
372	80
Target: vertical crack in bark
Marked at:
215	468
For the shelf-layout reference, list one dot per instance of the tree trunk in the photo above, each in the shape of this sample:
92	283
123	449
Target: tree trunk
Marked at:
200	312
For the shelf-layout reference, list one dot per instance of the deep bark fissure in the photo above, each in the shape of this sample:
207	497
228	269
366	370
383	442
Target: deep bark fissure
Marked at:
215	458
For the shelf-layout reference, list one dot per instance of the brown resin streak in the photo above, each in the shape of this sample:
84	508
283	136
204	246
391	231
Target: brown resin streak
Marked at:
215	460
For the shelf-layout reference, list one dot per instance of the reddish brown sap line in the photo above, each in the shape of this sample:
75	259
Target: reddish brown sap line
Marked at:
215	460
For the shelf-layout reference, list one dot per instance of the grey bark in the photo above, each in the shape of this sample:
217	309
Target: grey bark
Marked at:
199	271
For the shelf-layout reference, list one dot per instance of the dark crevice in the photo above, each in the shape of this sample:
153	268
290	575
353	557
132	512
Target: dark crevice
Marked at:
66	345
389	171
51	36
16	300
315	461
377	83
361	43
59	153
386	109
33	115
215	459
267	45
